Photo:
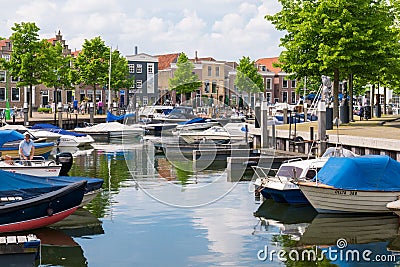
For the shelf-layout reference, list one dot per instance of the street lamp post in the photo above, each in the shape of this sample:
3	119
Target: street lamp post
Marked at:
55	105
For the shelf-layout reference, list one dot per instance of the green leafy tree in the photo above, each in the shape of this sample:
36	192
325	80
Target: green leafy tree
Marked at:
119	72
184	80
59	68
92	65
247	78
28	59
336	38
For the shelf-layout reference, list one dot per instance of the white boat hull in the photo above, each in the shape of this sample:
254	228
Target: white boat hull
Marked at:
33	170
74	141
326	199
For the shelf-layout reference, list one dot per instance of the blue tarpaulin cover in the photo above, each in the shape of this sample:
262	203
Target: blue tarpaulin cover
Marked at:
111	117
372	172
195	120
55	129
16	184
10	136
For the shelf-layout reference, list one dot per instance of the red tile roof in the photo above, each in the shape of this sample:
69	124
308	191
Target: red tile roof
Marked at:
268	62
164	61
52	40
4	42
75	53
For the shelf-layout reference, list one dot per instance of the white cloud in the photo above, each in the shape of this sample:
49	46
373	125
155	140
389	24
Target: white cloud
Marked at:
225	30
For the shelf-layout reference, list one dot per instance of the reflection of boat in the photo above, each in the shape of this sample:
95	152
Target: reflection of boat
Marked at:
67	138
326	229
291	220
361	184
80	223
59	249
75	151
9	144
40	210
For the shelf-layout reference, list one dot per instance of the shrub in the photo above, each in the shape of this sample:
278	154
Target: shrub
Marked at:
44	110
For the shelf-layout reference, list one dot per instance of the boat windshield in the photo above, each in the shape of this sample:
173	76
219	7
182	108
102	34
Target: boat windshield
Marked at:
290	171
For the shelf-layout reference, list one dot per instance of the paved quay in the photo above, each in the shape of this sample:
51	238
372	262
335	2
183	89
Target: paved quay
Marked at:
373	136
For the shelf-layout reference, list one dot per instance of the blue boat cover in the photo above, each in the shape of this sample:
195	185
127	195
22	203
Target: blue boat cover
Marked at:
26	186
195	120
55	129
372	172
111	117
10	136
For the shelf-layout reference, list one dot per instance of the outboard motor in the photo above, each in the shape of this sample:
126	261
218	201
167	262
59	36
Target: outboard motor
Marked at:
66	160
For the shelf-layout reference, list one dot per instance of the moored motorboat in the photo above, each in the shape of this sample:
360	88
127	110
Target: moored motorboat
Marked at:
19	214
67	138
350	185
111	130
231	132
282	188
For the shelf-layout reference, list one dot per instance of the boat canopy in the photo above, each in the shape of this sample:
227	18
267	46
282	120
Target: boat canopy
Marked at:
111	117
10	136
372	172
195	120
55	129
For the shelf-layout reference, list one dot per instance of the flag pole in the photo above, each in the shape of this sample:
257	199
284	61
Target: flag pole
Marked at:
8	116
109	82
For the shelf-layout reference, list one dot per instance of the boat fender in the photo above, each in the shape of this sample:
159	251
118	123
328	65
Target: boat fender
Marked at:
50	211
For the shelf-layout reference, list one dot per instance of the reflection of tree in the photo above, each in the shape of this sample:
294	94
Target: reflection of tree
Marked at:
183	170
119	172
288	244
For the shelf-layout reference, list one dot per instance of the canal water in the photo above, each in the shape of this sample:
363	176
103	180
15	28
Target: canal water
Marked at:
159	212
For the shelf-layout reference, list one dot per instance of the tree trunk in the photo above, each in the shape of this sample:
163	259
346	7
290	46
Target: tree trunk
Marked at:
94	100
351	97
336	93
29	98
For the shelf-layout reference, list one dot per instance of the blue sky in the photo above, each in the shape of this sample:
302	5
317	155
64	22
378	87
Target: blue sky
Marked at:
224	29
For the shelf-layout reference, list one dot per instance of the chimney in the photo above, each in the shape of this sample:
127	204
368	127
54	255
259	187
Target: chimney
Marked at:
195	56
135	50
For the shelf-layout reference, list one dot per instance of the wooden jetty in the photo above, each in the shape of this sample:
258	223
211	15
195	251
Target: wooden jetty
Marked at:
21	250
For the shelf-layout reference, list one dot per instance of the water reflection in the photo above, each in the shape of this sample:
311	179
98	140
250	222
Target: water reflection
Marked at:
331	238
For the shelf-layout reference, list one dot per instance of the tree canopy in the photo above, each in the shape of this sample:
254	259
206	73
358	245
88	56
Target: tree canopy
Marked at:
29	57
184	80
247	78
337	38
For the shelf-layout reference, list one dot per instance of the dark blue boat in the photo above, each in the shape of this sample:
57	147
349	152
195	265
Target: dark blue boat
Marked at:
26	186
41	209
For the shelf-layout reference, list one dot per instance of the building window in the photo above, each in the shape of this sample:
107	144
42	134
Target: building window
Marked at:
145	101
139	84
269	97
14	79
15	94
139	68
6	57
207	87
131	68
293	83
293	97
268	84
2	94
284	83
263	68
2	75
150	69
214	87
284	97
217	71
209	70
133	84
